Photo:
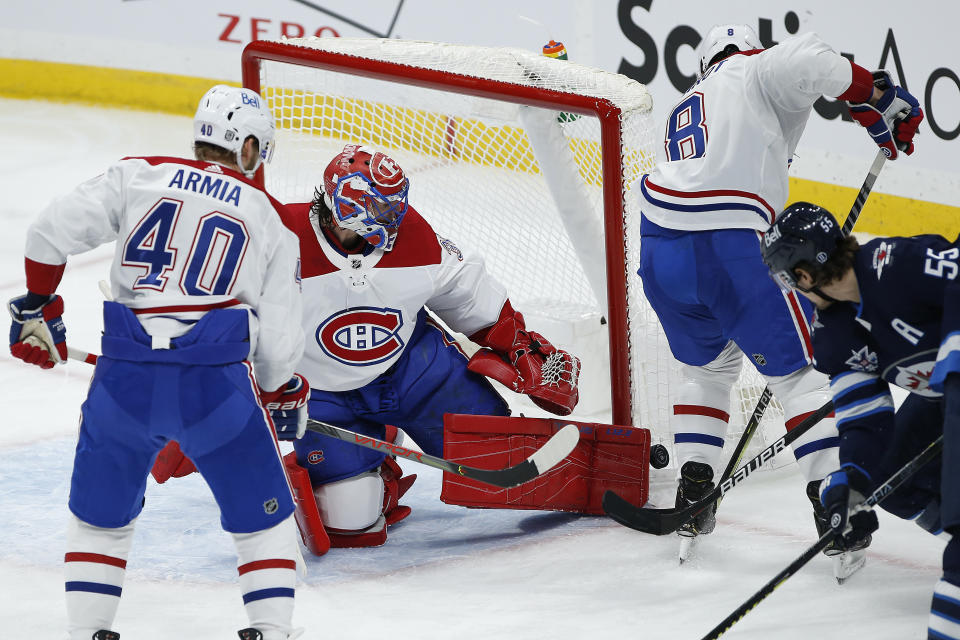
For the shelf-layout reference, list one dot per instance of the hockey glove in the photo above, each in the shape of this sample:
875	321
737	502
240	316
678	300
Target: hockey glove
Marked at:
288	408
893	122
527	363
842	494
37	334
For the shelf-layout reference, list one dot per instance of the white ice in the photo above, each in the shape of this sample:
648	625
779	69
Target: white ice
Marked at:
446	571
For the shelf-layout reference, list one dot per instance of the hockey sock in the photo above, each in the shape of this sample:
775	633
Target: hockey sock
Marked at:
701	408
95	564
267	564
945	611
801	393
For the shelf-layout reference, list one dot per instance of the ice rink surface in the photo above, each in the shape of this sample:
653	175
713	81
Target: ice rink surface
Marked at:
446	571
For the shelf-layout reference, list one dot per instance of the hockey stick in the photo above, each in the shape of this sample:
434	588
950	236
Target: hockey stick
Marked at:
542	460
660	522
865	190
891	485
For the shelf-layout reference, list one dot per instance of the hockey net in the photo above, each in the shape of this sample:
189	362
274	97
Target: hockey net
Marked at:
529	161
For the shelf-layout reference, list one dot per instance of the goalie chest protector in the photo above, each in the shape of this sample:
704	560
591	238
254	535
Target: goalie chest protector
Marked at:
607	457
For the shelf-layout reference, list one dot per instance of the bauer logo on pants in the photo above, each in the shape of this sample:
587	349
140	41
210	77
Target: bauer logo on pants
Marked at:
361	336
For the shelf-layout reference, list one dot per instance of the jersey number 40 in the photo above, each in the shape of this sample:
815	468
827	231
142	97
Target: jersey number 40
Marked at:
212	263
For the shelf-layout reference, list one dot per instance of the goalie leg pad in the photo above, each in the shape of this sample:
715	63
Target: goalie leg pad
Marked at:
607	457
307	515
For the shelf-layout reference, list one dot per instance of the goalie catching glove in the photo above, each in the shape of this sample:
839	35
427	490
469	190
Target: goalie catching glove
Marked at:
527	363
893	122
288	407
37	334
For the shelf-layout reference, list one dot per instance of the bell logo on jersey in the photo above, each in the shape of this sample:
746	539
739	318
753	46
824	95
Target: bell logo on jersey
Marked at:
361	336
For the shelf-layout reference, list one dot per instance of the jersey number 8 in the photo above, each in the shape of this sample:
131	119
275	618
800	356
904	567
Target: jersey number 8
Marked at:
687	129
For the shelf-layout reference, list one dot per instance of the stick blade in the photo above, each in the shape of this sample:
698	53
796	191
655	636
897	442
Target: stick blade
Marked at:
658	522
554	450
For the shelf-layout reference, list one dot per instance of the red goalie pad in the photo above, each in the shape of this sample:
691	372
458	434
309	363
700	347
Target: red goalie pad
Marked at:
607	457
307	514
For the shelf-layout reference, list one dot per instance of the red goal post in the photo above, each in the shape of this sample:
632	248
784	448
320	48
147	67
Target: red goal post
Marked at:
530	160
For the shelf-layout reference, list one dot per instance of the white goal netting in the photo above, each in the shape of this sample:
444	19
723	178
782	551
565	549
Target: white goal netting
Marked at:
528	160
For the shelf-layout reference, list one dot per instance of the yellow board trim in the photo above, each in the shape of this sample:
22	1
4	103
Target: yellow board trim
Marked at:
884	214
141	90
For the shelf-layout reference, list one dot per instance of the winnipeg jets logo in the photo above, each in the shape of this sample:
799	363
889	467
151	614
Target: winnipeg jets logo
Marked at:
882	256
863	360
361	336
914	378
913	373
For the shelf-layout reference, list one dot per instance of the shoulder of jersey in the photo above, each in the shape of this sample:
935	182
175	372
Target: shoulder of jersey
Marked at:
313	262
416	245
896	257
212	167
834	331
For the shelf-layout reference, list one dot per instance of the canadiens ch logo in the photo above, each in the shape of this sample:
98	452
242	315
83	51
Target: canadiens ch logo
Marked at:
315	456
361	336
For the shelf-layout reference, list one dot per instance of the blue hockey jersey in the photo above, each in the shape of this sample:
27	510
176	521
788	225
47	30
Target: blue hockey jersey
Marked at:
905	331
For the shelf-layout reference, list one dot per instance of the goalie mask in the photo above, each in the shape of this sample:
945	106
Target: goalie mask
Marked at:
743	37
227	116
366	191
803	233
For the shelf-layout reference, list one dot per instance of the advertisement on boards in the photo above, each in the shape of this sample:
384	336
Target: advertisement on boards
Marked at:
651	41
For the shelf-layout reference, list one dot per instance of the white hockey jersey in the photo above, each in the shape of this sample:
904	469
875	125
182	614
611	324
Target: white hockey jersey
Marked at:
730	139
360	309
191	237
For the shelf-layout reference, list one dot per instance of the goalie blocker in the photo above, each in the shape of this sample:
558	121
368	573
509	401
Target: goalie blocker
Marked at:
607	457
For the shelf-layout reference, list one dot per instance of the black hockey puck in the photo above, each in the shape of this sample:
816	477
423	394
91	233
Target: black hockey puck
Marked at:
659	456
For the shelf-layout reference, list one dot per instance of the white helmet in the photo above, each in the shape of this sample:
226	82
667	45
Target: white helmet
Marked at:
721	36
228	115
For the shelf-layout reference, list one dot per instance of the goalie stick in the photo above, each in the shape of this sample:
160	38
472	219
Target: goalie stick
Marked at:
660	521
553	451
542	460
885	489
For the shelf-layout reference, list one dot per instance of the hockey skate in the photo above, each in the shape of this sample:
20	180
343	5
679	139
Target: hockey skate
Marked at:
696	480
846	562
256	634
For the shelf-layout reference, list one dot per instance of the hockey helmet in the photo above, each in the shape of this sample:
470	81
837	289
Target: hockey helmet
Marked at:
804	232
742	36
227	116
366	191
